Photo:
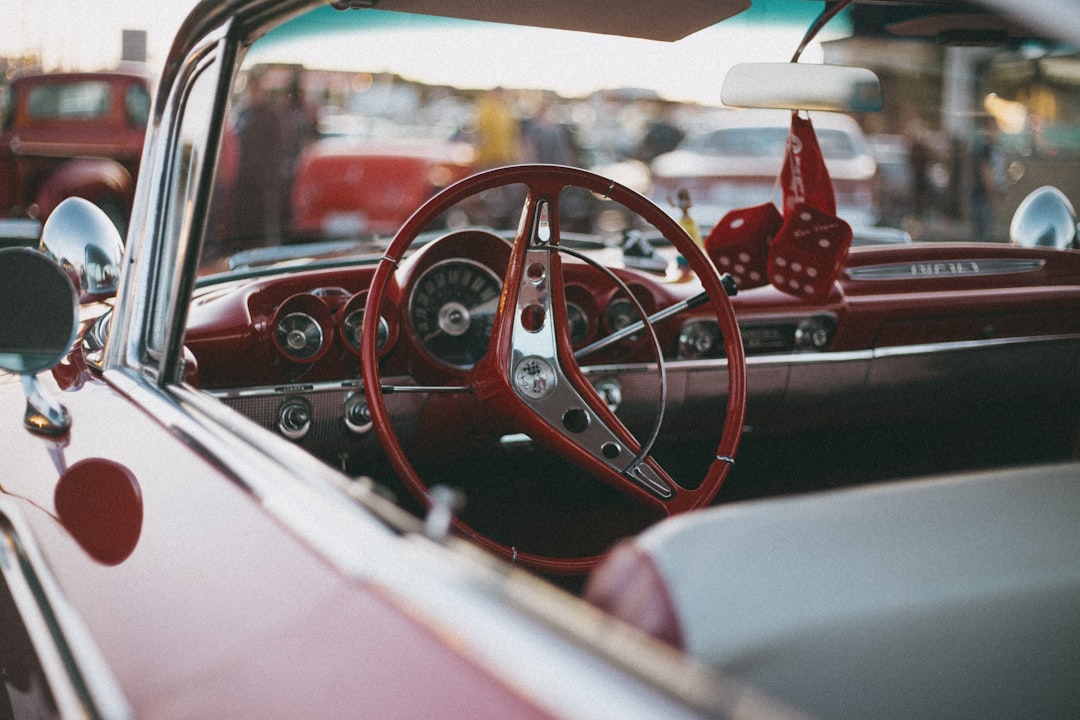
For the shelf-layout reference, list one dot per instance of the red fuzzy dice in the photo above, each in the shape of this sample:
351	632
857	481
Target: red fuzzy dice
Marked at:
739	243
808	254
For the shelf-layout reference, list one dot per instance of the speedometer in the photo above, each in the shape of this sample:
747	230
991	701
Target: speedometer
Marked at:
452	311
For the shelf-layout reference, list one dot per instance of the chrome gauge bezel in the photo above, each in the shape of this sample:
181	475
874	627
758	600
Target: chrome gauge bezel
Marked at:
352	320
307	314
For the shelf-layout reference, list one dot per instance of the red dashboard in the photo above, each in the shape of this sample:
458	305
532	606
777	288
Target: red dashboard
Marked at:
908	330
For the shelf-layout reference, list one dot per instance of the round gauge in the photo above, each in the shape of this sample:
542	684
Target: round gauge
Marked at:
301	328
700	339
452	311
620	314
579	324
352	326
299	336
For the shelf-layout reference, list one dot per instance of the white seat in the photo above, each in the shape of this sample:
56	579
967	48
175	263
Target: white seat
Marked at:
950	597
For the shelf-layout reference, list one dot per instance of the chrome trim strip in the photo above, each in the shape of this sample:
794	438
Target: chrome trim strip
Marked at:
77	675
674	366
930	348
287	389
327	387
812	358
944	269
802	358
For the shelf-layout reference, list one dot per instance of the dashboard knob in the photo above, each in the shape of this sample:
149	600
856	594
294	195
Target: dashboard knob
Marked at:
357	414
700	339
813	334
611	392
294	417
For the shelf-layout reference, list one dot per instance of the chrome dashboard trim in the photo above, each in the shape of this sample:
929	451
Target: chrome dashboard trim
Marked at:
959	345
944	268
285	389
801	358
843	356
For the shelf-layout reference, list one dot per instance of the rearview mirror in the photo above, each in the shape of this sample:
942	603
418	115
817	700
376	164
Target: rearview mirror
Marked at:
795	86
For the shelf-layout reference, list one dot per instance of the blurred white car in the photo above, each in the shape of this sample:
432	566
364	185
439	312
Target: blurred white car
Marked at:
736	163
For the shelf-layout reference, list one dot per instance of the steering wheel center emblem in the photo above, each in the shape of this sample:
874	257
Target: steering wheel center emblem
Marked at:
534	377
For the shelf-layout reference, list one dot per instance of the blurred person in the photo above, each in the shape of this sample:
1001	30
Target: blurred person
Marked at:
260	169
662	135
299	125
919	166
548	139
987	178
497	132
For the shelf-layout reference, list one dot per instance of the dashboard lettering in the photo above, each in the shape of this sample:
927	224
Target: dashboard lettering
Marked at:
964	267
293	388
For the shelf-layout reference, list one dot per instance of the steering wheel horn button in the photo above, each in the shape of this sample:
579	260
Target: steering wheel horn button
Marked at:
534	377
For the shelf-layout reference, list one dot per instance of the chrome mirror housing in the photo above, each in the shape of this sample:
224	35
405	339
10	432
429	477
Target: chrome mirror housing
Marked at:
82	240
1045	218
39	319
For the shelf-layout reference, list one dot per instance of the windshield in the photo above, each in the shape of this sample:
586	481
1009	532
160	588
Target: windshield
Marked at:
343	123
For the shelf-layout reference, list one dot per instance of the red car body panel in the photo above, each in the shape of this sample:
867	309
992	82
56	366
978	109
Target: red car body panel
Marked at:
277	623
370	186
95	155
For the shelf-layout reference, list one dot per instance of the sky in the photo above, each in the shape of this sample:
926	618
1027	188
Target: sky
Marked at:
554	60
86	34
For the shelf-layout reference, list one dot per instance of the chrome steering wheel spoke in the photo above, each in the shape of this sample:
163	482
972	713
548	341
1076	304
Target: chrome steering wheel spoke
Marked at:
536	372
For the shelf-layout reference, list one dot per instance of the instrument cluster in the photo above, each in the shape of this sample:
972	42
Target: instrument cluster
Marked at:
270	334
451	308
304	326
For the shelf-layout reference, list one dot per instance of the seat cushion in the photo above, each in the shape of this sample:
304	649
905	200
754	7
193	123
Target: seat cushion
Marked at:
895	600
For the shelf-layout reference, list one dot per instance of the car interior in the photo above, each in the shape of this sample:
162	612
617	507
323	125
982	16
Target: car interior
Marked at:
827	377
547	360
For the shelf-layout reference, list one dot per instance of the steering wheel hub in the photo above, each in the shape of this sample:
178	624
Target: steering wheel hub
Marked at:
534	377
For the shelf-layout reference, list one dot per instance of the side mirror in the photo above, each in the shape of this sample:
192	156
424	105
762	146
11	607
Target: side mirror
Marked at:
83	241
39	319
1045	218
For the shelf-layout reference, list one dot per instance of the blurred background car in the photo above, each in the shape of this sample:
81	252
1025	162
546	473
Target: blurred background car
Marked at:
70	133
736	160
364	178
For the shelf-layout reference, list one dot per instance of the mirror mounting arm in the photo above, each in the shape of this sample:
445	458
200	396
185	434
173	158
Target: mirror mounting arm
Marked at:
44	413
831	10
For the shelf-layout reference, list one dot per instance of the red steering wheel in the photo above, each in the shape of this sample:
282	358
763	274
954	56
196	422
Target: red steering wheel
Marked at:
529	376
